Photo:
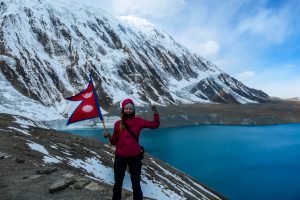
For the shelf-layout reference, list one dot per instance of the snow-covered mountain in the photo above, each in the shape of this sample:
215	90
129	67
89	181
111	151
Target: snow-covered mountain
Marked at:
49	48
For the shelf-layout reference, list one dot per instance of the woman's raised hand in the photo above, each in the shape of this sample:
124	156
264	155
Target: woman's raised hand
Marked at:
154	109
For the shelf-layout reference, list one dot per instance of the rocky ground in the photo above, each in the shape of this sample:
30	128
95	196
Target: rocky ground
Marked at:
23	175
39	163
22	179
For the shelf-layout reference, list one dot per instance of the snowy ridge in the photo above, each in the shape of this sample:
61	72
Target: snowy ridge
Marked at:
56	45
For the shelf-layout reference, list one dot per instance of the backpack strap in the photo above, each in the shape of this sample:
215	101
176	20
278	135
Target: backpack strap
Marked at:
134	136
131	133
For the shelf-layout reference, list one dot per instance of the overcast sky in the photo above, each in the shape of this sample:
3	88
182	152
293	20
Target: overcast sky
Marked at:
257	42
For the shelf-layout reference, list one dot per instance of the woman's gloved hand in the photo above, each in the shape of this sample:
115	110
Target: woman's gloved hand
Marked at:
154	109
106	134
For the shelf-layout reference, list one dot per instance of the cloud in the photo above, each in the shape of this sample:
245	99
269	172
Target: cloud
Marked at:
244	30
201	40
282	88
208	48
271	25
139	8
290	66
246	75
277	82
148	8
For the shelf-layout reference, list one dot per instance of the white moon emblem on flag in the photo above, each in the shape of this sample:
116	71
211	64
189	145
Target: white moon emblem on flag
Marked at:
87	95
87	108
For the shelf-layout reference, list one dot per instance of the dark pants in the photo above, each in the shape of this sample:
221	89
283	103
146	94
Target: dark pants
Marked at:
135	167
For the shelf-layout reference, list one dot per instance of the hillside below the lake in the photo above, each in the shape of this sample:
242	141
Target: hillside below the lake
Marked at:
41	163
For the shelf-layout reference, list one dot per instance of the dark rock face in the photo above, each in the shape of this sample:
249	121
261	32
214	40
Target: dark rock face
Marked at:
241	89
214	90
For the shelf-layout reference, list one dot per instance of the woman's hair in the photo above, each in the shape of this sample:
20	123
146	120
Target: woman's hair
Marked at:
122	126
122	105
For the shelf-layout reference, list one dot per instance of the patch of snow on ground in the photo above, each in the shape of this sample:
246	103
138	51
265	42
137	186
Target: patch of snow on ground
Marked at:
50	159
19	130
184	183
54	146
37	147
47	158
24	122
93	152
157	191
103	173
95	167
66	152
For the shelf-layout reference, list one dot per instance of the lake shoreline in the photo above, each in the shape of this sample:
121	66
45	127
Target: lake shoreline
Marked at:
231	114
282	112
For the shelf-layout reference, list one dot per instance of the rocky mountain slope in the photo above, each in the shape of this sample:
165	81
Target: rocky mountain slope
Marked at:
37	163
49	48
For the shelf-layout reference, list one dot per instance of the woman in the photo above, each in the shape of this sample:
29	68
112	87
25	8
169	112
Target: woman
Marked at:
128	150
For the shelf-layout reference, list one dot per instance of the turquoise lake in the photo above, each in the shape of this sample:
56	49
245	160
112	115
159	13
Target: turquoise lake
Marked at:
240	162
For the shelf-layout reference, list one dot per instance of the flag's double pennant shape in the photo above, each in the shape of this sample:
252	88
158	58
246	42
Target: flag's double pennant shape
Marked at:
89	106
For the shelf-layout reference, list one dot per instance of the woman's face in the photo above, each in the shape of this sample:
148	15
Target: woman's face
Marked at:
128	110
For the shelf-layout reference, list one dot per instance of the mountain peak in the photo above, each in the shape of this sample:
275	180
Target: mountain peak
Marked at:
55	47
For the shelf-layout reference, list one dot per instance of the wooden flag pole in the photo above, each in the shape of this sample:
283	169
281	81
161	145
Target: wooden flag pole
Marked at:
100	115
111	147
103	125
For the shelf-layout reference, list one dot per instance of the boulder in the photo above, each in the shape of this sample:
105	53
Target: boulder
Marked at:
94	187
68	175
18	160
47	170
61	184
3	155
34	176
81	183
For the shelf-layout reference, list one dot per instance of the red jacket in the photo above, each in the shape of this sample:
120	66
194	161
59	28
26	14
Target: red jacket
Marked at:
126	145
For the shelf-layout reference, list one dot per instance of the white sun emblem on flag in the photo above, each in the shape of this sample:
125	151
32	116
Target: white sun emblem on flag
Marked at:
87	108
87	95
